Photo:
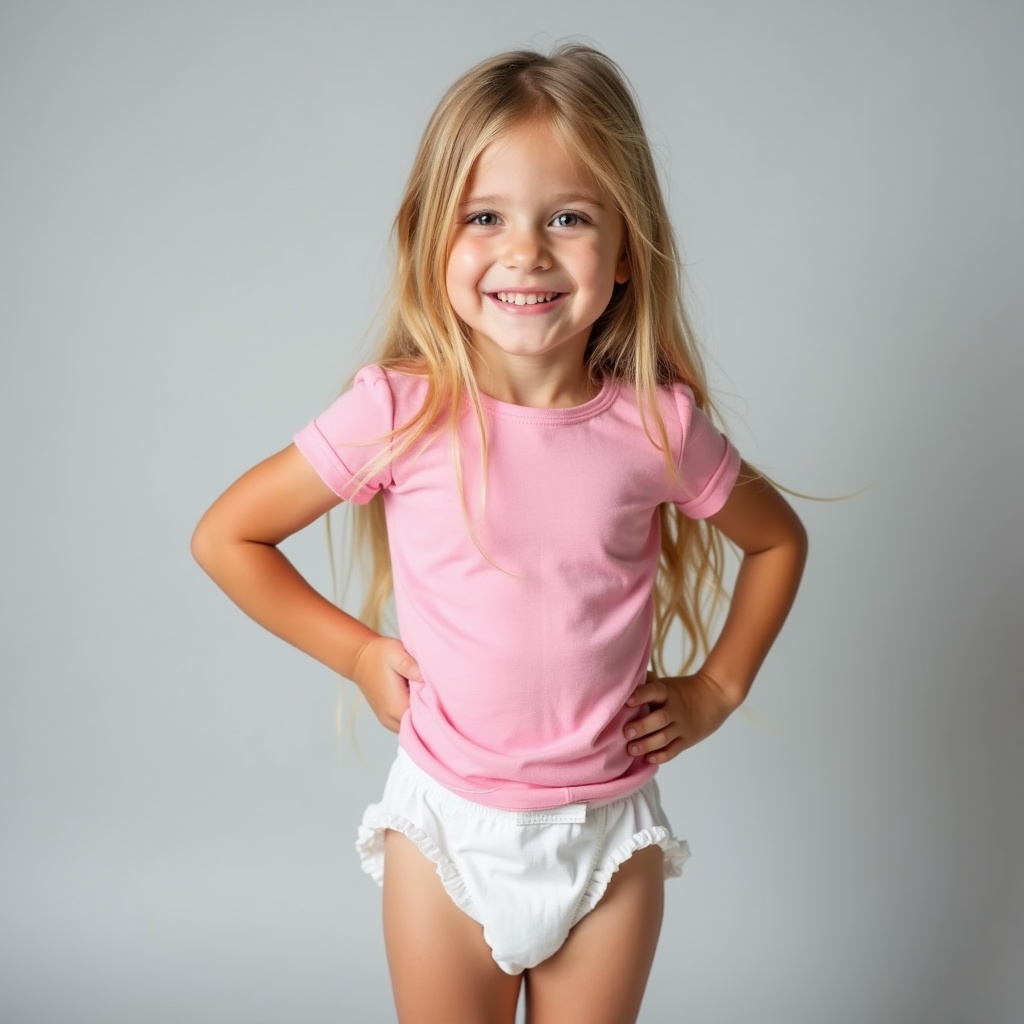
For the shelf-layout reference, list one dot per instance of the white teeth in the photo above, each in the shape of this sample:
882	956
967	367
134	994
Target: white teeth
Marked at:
526	298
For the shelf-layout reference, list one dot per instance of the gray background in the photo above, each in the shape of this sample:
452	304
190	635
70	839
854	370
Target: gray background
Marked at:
194	206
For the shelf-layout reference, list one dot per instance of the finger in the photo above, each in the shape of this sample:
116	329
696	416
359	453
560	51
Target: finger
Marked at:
657	719
652	743
674	749
653	692
408	668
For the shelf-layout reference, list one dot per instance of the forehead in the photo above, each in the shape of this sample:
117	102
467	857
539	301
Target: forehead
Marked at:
530	157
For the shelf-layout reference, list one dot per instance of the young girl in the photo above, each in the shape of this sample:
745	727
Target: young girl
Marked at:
536	433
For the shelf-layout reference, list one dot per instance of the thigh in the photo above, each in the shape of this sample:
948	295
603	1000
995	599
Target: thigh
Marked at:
441	969
600	973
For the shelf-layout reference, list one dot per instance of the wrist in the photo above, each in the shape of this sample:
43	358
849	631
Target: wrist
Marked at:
732	690
355	660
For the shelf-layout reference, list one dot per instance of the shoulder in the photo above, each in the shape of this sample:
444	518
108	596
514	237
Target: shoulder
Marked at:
384	393
679	401
686	414
405	388
704	460
674	404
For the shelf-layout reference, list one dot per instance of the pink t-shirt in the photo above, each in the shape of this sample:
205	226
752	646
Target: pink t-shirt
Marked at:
530	647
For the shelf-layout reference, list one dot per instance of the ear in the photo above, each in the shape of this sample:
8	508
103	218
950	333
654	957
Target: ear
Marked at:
622	267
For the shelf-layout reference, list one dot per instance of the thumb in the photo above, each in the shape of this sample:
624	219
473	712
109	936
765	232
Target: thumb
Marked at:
408	668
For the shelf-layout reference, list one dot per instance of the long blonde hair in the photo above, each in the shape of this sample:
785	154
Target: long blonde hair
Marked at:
644	337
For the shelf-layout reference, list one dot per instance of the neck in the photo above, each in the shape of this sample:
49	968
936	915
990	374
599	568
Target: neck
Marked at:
557	381
538	388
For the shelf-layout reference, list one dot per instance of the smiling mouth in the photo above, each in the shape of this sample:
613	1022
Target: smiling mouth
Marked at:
526	298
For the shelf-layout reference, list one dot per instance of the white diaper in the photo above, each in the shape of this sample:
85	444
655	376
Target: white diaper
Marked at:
526	876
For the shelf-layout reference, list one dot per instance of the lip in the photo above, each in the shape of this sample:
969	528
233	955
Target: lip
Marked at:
537	309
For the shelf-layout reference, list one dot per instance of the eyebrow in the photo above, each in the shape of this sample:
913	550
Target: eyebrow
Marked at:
562	199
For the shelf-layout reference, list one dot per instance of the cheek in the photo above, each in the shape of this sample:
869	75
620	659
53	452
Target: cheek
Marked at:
451	279
461	279
465	264
600	266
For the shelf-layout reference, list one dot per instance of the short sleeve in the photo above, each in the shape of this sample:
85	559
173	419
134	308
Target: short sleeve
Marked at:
335	442
708	463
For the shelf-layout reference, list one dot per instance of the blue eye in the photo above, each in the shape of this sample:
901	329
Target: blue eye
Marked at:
484	219
568	219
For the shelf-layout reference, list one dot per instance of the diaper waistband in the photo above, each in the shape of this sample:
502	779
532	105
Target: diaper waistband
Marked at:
566	814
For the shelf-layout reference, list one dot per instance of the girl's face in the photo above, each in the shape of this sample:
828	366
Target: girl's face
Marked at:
536	251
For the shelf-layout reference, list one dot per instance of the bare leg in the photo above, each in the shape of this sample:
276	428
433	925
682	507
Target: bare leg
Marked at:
600	973
442	971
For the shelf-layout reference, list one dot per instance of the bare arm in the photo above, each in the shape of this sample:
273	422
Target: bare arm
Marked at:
759	521
236	544
774	544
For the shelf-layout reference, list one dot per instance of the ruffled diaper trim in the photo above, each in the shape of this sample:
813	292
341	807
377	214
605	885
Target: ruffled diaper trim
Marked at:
676	853
370	846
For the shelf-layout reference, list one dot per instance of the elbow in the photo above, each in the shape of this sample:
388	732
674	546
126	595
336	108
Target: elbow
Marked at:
799	543
203	545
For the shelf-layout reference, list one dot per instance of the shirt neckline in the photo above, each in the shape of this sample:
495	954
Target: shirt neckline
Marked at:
567	414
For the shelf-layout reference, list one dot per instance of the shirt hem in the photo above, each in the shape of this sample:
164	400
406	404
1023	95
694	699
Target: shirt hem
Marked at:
511	796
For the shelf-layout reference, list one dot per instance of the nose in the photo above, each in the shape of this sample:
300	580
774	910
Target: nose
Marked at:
526	249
